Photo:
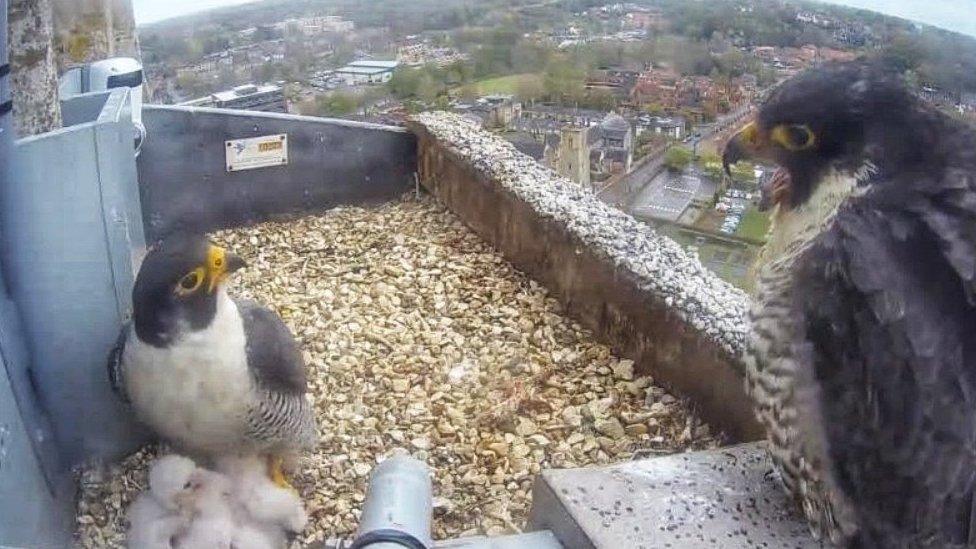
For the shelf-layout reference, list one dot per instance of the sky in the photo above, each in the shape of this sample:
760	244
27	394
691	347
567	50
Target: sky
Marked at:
957	15
150	11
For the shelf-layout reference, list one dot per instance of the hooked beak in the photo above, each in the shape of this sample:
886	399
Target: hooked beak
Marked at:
220	265
751	143
745	144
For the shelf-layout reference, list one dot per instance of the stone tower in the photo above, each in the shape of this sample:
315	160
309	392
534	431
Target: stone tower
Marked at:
89	30
574	155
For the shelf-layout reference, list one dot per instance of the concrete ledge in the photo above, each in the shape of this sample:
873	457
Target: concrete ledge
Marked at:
532	540
620	305
723	498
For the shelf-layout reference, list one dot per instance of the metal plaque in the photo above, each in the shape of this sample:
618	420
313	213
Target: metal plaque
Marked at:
257	152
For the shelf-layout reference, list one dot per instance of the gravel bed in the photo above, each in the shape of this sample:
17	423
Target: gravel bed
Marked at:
706	302
420	337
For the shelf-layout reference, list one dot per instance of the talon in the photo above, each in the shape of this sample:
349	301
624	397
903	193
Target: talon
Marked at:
277	474
775	191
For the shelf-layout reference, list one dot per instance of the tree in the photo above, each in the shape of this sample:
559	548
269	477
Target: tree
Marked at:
713	170
744	172
457	73
496	55
265	72
226	78
33	81
427	87
193	84
336	104
404	83
562	80
530	89
677	158
711	164
904	53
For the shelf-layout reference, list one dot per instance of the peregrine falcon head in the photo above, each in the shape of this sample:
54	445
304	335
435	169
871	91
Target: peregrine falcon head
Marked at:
839	117
176	288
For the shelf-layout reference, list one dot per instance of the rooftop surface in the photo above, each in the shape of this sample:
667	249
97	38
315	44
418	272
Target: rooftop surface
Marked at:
375	63
244	91
362	70
420	336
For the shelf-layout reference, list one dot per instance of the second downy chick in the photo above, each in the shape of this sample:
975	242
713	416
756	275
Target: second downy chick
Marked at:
213	522
265	502
158	516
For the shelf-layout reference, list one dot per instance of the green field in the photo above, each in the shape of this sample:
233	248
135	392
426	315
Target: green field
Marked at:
503	84
755	225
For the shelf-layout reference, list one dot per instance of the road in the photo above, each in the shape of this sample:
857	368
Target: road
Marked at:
666	196
644	190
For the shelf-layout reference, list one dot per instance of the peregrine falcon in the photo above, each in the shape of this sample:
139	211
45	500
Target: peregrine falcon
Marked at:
862	358
210	374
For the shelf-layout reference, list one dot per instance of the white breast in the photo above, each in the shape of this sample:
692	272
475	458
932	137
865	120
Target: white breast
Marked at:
195	393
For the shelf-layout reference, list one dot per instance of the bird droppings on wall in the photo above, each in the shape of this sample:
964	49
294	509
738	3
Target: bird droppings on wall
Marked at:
420	336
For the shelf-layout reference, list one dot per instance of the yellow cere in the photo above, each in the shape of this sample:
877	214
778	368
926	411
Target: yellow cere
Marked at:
217	265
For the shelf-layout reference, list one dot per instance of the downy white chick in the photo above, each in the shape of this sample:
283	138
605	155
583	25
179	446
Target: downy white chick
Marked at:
266	503
151	526
249	535
157	517
170	479
213	523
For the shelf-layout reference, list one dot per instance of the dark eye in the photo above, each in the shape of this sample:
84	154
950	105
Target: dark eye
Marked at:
190	282
218	262
799	136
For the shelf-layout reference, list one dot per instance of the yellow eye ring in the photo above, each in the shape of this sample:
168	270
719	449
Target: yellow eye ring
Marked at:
794	137
190	282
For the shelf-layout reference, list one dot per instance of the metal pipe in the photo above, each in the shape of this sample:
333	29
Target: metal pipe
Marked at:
399	507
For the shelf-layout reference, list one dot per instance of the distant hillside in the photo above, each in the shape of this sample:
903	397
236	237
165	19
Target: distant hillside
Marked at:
405	15
928	56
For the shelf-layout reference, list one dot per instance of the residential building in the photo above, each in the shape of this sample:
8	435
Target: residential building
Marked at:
561	116
672	127
667	91
645	18
240	59
493	112
419	54
614	79
611	145
317	25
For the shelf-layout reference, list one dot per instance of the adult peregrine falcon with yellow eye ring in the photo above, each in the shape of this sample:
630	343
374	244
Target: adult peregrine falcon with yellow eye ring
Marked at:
210	374
862	356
